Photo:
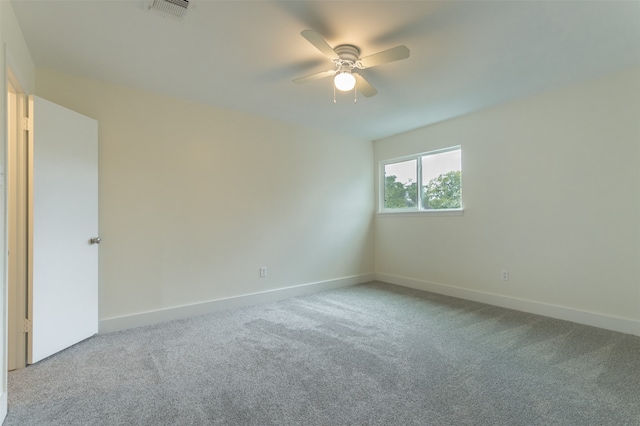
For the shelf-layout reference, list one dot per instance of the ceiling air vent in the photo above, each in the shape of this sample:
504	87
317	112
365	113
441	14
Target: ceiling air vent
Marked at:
172	7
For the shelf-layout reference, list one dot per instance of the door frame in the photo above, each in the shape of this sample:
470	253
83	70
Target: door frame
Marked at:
17	212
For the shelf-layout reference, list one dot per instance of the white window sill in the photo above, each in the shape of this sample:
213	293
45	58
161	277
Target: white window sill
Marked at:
439	212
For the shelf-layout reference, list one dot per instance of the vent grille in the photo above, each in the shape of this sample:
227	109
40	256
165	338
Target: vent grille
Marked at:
173	7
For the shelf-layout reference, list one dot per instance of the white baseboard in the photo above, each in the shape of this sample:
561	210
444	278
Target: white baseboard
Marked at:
623	325
141	319
3	406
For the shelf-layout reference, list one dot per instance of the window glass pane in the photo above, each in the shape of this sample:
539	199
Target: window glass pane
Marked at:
441	180
400	185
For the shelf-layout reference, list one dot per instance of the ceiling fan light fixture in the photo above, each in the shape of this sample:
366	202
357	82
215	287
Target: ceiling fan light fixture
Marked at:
344	81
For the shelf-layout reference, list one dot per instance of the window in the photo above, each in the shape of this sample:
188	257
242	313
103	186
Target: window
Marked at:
423	182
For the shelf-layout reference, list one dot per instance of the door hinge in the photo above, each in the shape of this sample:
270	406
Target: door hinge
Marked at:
27	326
28	124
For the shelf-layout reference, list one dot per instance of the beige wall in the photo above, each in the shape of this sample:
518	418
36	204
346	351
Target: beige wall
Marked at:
194	199
551	190
16	50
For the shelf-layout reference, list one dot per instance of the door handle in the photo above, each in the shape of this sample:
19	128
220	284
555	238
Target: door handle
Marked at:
95	240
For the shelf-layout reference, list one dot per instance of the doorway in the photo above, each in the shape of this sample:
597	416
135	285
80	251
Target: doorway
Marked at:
17	216
52	273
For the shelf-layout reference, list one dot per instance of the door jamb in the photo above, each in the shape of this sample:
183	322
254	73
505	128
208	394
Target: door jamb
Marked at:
17	188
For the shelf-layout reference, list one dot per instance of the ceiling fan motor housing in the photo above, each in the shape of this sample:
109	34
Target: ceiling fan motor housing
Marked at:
347	53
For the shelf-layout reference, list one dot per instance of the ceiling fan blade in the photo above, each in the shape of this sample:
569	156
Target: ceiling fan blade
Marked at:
364	87
320	44
316	76
389	55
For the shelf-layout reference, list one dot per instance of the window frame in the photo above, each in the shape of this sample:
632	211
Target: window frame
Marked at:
418	210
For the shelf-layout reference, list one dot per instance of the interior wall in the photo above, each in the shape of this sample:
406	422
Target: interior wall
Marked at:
195	199
550	192
15	55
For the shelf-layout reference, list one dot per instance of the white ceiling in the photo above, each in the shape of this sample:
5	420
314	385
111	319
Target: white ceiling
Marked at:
242	55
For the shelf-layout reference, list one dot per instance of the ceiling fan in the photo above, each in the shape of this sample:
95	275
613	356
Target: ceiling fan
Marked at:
347	61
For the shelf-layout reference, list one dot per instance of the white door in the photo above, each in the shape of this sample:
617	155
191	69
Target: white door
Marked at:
63	291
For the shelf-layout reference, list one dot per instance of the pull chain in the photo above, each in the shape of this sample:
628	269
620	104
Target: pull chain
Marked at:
355	95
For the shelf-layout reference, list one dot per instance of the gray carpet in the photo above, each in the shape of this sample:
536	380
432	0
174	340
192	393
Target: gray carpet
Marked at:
373	354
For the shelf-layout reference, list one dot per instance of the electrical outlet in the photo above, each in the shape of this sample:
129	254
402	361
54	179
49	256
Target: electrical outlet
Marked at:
263	271
505	275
